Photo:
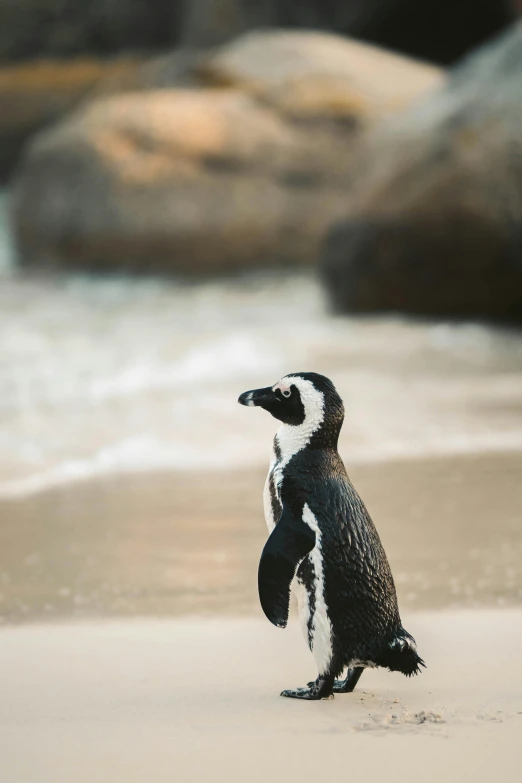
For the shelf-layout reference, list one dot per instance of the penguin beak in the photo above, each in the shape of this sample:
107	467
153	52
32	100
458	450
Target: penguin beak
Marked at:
257	397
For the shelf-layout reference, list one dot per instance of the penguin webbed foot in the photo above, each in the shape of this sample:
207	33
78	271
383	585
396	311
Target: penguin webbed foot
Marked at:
350	681
341	686
348	684
308	694
316	690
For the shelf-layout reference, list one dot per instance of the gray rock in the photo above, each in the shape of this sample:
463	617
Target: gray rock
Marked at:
37	93
436	30
174	181
310	74
34	30
434	216
207	180
207	23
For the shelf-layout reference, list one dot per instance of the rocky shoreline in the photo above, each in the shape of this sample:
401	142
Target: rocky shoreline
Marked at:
400	181
248	167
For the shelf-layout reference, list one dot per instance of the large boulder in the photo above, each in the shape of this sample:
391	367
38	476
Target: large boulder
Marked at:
35	30
36	94
205	23
433	223
171	180
307	75
207	180
436	30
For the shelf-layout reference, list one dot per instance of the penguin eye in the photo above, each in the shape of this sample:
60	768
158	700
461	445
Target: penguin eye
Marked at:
286	393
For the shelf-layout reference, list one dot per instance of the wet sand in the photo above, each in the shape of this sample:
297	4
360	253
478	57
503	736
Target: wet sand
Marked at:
189	700
189	544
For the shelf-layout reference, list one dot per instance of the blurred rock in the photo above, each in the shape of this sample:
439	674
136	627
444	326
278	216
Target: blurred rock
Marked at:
189	181
35	94
434	215
51	28
207	23
212	179
33	30
306	75
438	30
174	69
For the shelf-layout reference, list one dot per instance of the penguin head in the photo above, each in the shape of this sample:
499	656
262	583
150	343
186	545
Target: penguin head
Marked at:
301	398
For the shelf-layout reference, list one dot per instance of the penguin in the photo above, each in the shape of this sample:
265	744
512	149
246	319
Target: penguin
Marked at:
324	546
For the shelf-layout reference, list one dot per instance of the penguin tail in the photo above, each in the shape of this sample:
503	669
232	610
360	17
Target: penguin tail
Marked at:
402	656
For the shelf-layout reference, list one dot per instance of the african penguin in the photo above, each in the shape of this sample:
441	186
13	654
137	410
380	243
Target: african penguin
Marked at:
323	543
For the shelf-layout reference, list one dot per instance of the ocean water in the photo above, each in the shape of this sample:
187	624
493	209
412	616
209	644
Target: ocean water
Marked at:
108	374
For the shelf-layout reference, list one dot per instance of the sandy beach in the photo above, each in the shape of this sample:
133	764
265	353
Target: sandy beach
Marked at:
191	700
133	646
175	244
178	544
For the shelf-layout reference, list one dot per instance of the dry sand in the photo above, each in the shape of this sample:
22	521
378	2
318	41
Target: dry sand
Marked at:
187	700
91	693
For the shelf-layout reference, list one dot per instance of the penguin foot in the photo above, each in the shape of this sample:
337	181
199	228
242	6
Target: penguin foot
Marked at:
319	689
350	681
348	684
309	694
340	686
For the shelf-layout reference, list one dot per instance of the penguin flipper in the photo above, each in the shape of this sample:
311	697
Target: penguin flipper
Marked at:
290	541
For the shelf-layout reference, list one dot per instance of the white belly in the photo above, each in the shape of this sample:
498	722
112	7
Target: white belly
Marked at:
303	607
317	630
319	625
267	504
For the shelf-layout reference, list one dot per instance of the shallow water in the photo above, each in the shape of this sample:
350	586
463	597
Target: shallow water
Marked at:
99	375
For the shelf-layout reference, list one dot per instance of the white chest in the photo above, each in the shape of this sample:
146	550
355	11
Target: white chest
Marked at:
287	443
272	486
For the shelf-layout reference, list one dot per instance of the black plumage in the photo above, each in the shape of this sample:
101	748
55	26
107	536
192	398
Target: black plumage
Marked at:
324	536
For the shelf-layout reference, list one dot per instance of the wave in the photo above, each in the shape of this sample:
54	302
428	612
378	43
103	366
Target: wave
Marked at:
225	358
146	455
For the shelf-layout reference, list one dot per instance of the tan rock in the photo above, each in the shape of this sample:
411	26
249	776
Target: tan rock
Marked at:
250	171
36	93
311	73
173	180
